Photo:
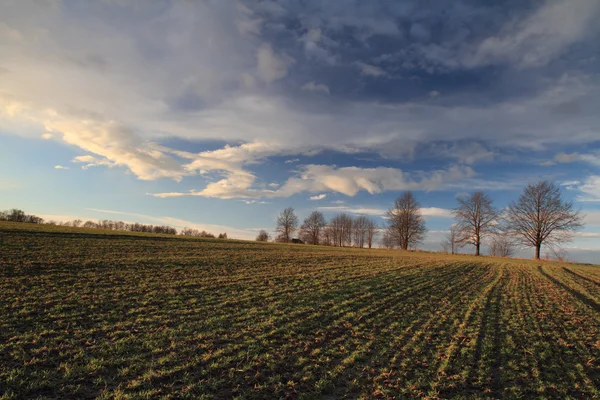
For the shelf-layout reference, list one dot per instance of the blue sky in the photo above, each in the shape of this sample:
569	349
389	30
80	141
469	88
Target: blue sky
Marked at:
218	114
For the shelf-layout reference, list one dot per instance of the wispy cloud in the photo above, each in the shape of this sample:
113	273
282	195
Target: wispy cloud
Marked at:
370	70
319	178
561	158
590	189
316	87
425	211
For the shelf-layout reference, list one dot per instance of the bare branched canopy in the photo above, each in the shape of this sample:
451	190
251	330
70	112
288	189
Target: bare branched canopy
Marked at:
502	246
387	241
340	228
476	218
451	243
541	217
359	231
372	231
263	236
406	226
287	223
312	227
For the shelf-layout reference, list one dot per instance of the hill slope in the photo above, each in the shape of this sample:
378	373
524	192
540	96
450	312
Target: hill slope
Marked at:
86	315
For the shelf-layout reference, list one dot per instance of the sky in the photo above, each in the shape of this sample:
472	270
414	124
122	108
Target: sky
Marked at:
219	114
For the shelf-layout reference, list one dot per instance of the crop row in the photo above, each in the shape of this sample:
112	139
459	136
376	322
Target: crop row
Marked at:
121	316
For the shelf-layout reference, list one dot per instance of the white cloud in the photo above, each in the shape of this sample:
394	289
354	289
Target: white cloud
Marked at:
319	178
351	180
588	234
255	202
570	183
318	197
425	211
272	66
47	136
436	212
316	87
370	70
593	159
540	38
60	167
531	42
566	158
592	217
318	46
247	23
590	189
355	210
563	158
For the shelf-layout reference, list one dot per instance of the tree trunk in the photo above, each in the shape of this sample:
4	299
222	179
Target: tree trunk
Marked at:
538	249
477	249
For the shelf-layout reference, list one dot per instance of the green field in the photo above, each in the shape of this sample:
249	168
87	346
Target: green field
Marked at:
89	315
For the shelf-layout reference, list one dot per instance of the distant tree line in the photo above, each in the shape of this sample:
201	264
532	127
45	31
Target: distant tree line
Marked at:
16	215
342	230
540	217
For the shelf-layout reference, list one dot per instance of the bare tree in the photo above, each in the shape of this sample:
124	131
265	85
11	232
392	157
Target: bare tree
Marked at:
445	246
347	222
406	225
312	227
360	227
372	230
557	254
387	242
542	217
287	223
16	215
502	246
340	228
476	218
451	243
335	230
326	236
262	236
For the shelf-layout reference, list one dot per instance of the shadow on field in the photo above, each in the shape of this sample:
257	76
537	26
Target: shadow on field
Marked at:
585	278
580	296
490	327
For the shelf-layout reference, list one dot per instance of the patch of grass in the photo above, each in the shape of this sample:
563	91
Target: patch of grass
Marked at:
85	314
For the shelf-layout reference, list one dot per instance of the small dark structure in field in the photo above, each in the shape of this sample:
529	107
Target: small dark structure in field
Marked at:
297	241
